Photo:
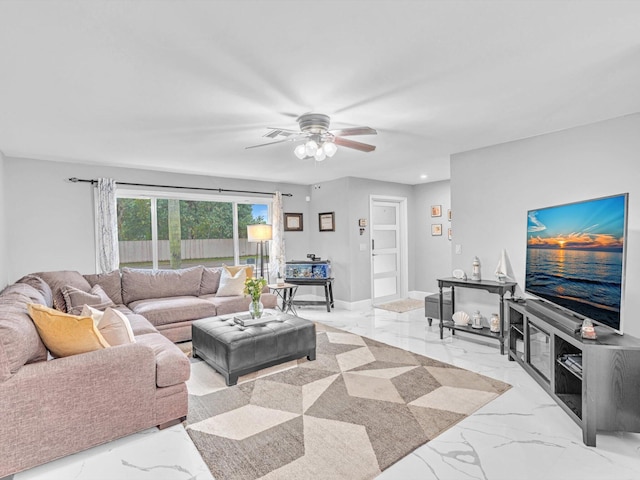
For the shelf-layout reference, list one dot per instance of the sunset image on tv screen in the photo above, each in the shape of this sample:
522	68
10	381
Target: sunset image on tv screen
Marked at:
575	257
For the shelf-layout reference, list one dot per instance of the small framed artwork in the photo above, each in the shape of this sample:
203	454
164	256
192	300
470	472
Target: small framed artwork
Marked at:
449	233
449	214
436	210
436	229
292	222
327	222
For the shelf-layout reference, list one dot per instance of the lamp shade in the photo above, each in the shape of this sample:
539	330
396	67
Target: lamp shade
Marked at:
259	232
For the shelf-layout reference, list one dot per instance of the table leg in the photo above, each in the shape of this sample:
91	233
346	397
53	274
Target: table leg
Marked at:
440	309
331	293
502	324
326	296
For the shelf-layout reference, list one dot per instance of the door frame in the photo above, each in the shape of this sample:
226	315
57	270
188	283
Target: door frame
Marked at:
403	242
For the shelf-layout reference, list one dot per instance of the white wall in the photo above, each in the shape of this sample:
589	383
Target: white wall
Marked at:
4	274
49	221
432	257
493	188
349	198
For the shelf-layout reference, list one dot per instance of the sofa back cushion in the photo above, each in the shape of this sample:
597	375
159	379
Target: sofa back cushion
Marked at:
61	278
141	284
19	340
41	286
27	290
110	283
210	280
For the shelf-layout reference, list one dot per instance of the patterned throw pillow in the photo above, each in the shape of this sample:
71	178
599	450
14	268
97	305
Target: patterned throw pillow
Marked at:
231	285
75	299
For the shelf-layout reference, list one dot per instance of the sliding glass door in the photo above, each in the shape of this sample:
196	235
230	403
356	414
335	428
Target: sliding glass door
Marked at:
178	232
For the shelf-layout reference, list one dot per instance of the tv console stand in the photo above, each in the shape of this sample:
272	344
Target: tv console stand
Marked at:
596	382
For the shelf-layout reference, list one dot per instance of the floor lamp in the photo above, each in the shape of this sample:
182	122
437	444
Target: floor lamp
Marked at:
260	234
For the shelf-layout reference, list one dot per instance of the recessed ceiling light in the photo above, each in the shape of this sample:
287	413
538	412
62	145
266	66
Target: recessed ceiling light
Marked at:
423	176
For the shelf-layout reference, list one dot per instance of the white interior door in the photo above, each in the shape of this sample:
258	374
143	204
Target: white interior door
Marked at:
386	251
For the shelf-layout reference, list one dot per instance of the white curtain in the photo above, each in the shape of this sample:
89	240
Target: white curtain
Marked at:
277	256
108	258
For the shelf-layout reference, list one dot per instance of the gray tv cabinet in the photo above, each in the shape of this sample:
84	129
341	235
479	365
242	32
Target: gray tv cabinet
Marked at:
600	395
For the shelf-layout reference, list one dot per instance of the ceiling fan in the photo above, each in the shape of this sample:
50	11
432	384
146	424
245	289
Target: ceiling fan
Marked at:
320	142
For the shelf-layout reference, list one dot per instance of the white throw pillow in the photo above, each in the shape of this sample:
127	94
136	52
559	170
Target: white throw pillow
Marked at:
113	325
231	285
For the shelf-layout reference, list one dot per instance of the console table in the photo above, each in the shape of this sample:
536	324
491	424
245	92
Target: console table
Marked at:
328	290
488	285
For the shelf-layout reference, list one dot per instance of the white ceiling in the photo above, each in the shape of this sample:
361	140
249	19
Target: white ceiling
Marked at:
184	86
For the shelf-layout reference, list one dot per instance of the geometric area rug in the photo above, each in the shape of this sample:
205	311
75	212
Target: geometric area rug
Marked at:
357	409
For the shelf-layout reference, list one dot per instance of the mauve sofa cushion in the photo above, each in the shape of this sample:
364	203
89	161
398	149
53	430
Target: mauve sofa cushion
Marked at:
18	335
27	290
161	311
59	279
141	284
40	285
139	324
210	280
110	283
227	305
172	366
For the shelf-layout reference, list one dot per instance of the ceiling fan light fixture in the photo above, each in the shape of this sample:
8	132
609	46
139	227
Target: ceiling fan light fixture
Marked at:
300	151
320	155
311	147
330	149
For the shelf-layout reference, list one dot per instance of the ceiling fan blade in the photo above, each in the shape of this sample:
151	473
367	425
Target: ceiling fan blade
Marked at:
285	132
354	131
363	147
289	139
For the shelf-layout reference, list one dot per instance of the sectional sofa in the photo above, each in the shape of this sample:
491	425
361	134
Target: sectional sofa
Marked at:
52	407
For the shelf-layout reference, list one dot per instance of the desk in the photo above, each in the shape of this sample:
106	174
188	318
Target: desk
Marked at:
285	292
328	290
488	285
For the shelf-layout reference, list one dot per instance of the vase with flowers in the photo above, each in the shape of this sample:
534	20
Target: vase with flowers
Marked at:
253	287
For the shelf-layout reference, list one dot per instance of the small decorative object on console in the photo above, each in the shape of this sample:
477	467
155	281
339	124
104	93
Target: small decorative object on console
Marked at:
461	318
501	269
494	323
588	330
459	274
475	273
476	320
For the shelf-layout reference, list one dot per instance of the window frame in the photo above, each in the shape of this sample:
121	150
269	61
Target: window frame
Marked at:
154	195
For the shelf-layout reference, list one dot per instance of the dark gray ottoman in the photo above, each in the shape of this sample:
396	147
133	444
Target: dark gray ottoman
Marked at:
234	350
431	306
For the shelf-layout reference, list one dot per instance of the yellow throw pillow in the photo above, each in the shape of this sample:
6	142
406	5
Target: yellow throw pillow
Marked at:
65	334
236	268
112	324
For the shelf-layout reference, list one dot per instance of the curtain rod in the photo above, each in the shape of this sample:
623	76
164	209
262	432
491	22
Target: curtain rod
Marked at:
219	190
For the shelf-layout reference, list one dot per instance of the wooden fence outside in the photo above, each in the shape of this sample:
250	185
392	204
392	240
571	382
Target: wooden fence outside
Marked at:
140	251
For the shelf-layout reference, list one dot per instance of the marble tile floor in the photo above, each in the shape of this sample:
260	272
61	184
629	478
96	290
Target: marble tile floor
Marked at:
522	434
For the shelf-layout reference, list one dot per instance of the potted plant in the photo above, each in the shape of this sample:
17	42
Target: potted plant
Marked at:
253	287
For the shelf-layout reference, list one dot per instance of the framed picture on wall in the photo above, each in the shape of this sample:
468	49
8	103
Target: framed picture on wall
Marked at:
292	222
436	210
326	222
436	229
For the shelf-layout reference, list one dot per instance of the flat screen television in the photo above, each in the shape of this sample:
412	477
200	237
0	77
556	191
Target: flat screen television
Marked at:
576	257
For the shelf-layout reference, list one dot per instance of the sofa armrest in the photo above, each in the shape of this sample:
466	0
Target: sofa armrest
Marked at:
54	408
